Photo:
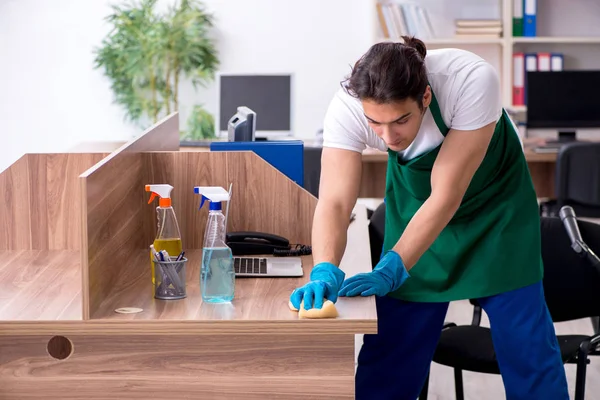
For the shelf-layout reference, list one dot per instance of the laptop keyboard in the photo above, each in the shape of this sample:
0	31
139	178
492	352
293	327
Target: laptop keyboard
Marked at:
250	265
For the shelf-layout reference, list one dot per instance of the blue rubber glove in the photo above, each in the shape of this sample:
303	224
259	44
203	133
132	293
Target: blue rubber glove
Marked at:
325	282
388	275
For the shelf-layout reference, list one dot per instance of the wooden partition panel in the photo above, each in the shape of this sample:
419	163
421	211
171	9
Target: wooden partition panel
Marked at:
113	197
183	171
263	199
40	207
113	203
15	227
121	225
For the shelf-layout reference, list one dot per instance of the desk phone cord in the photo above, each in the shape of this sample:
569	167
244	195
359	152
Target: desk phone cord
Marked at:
297	250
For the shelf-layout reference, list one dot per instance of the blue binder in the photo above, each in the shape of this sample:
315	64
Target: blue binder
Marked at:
285	155
529	18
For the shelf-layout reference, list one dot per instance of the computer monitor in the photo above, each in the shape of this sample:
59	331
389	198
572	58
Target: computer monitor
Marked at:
563	100
268	95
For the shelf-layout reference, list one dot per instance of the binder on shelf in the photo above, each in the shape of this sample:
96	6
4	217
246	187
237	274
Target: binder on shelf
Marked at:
478	28
425	22
543	61
529	18
382	23
393	30
412	22
399	19
518	79
517	19
556	62
531	64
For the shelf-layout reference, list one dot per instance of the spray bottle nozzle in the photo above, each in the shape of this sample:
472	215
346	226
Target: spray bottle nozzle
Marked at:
214	194
161	190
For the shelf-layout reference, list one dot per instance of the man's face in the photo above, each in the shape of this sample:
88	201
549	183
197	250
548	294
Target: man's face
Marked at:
396	123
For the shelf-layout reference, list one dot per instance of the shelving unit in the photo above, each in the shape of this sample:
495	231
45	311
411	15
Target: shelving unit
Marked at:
550	39
555	20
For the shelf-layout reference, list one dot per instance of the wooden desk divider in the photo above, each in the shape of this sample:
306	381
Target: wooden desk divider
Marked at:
263	199
112	195
40	231
40	207
121	225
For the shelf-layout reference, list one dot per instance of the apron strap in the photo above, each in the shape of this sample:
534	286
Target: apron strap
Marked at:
437	114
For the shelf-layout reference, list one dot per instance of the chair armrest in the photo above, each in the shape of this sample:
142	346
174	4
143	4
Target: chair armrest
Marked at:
593	344
448	325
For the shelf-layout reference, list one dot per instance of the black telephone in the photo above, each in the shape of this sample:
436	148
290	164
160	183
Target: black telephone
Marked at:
255	243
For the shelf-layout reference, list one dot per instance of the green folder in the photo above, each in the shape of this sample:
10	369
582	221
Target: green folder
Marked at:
517	20
517	27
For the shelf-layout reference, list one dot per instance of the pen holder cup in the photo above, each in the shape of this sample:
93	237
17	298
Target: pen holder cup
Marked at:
169	277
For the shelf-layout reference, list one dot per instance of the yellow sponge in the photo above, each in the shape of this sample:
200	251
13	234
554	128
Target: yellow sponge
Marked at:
327	311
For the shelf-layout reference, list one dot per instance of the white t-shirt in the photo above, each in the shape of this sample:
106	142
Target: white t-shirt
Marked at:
466	87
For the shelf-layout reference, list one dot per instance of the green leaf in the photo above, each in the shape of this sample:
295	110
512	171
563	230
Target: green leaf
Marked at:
144	50
200	125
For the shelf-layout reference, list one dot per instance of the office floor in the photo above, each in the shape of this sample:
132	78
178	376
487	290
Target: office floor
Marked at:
489	387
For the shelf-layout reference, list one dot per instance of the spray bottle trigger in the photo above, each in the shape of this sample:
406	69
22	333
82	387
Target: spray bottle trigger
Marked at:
152	196
204	198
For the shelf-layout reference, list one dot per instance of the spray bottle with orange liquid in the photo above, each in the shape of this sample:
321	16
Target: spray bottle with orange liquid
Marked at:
168	236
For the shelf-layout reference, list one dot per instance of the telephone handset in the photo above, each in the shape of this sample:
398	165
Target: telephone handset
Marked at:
255	243
250	243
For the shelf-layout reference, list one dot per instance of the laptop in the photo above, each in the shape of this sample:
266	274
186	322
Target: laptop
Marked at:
267	267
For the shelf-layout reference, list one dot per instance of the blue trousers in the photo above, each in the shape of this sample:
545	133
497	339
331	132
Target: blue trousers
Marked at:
394	363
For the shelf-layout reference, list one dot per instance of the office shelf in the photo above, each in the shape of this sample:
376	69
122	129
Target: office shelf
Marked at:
516	108
453	41
461	40
499	51
557	39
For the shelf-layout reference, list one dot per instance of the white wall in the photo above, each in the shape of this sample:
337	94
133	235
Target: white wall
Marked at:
52	98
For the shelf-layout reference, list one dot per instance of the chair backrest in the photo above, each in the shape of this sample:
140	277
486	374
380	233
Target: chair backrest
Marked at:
578	174
571	283
312	169
376	233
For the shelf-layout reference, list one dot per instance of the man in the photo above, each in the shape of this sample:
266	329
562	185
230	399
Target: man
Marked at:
462	219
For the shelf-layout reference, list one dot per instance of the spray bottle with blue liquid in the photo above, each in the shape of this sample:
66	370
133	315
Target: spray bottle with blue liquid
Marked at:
217	276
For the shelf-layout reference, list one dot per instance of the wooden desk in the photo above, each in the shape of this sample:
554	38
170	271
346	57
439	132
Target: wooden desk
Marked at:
58	297
254	348
541	167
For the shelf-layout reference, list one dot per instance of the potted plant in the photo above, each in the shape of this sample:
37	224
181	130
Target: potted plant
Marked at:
147	54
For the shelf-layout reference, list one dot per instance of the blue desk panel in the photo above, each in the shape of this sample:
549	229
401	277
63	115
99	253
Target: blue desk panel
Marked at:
285	155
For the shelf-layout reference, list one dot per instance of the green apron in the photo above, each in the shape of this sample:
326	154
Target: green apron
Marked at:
491	245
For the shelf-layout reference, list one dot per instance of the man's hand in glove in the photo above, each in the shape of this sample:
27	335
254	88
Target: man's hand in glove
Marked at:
325	282
386	277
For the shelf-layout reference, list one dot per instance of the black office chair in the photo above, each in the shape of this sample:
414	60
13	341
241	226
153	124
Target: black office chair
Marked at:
571	286
312	169
376	232
577	180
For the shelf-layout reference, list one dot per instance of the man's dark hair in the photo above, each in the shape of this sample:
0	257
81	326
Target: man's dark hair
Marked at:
390	72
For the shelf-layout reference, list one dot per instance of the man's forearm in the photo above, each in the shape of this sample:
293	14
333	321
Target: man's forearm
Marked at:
424	227
329	234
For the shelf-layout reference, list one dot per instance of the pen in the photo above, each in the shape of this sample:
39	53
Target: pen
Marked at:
180	256
154	253
164	255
